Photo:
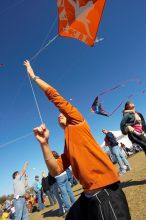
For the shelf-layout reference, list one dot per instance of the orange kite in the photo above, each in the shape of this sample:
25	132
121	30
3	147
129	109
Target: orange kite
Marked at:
80	19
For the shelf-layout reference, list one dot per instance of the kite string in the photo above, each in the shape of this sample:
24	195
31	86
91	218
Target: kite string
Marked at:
35	99
51	28
35	55
16	139
116	108
43	48
29	134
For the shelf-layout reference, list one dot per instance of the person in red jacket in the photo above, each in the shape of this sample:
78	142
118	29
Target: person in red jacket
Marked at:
102	197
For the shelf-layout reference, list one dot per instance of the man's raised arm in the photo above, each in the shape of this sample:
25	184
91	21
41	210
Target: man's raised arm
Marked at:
42	135
42	84
24	169
70	112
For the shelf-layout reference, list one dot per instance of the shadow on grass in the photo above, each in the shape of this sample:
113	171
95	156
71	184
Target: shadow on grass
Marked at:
132	183
77	190
77	195
51	213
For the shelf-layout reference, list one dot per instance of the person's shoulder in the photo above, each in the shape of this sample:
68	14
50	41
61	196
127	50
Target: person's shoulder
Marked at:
35	183
109	133
139	114
129	113
17	178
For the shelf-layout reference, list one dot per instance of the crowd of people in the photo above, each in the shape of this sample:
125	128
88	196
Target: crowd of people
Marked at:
30	199
102	196
8	209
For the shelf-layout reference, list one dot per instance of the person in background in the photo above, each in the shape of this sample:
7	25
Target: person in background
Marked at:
71	177
47	190
8	203
111	141
128	151
37	186
19	194
26	181
108	152
12	213
134	125
6	214
55	189
65	187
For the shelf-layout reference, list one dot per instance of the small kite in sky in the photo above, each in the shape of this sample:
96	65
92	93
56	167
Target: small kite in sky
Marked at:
80	19
98	108
2	65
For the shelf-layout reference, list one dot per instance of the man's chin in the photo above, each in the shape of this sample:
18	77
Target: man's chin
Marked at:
62	125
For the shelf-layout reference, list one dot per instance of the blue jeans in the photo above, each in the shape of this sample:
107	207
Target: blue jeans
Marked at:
120	157
39	195
66	191
54	188
20	209
70	176
51	197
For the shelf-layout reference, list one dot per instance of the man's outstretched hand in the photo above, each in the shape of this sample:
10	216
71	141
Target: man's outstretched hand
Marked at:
42	134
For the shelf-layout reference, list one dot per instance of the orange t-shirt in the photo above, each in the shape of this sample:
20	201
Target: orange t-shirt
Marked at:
90	165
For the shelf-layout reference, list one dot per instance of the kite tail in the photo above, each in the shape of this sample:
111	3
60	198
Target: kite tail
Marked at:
119	85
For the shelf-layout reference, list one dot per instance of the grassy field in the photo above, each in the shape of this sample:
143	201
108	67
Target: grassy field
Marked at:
133	184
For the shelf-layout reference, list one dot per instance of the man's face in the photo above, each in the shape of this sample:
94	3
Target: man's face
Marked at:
16	174
104	131
131	106
62	120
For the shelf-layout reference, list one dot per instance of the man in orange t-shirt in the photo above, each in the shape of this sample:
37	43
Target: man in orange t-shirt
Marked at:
102	198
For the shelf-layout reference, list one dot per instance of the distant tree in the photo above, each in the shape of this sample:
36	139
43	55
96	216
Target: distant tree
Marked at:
3	199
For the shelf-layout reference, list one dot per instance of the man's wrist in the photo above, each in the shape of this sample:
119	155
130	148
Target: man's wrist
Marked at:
34	78
44	145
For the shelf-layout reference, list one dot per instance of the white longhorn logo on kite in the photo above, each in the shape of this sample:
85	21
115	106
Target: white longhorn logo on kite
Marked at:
81	13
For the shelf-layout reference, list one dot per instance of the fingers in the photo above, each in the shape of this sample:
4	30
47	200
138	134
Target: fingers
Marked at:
43	126
40	129
26	63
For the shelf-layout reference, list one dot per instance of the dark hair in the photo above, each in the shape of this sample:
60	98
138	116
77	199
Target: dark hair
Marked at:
55	154
14	174
127	104
36	177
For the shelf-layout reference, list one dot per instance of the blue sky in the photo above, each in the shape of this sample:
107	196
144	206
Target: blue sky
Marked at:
77	71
